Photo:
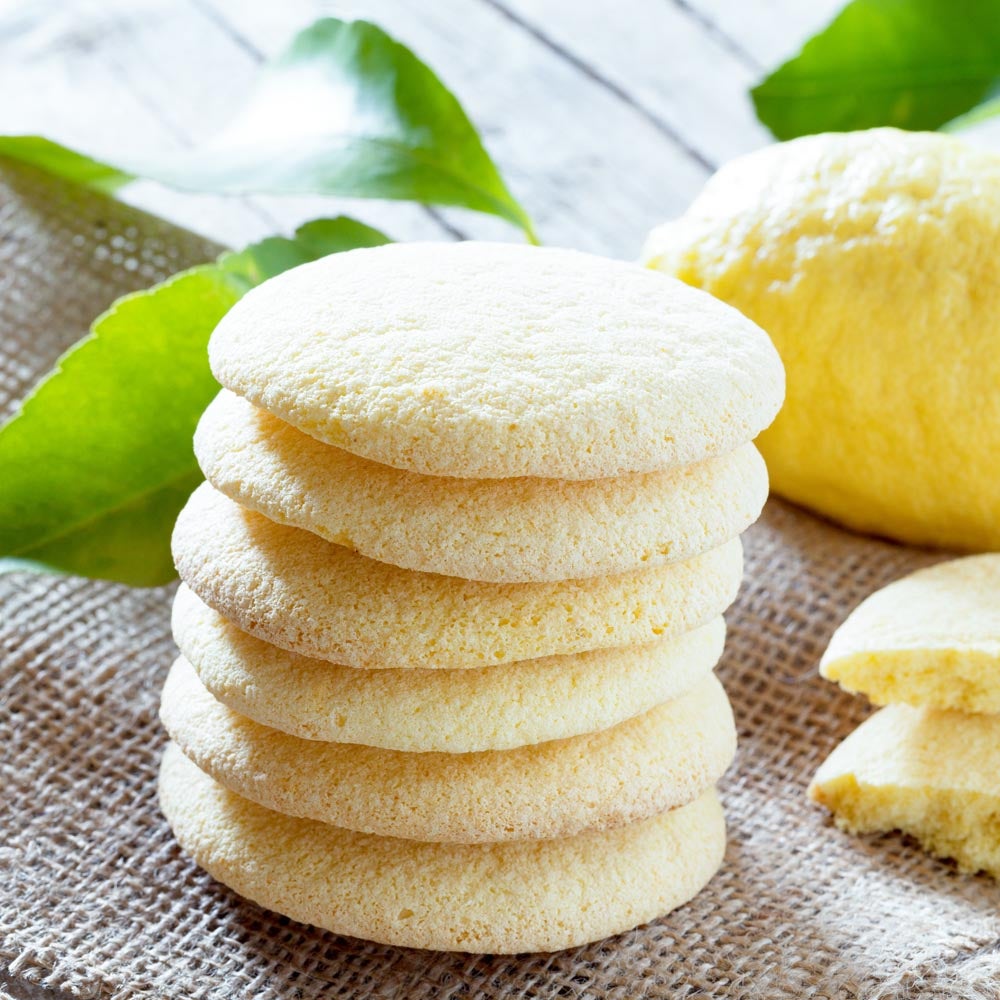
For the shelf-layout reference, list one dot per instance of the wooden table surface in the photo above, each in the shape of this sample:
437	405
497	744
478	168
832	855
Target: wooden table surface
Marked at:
604	117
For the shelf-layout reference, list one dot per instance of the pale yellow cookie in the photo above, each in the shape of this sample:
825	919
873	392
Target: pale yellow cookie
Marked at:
655	761
297	591
456	711
931	638
932	773
503	898
497	360
498	530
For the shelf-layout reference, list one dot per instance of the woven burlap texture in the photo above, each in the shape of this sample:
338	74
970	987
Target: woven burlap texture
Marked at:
96	899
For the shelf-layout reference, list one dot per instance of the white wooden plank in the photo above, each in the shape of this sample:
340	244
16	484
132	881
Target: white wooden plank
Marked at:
594	173
771	30
686	79
59	63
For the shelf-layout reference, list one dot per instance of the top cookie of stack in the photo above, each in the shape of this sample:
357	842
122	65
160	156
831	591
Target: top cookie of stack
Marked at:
523	469
532	375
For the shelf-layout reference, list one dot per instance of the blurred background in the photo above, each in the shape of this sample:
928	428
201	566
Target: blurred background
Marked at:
604	118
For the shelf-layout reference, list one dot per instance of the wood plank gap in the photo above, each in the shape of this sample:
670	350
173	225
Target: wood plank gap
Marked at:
260	212
211	13
725	40
447	226
145	100
661	126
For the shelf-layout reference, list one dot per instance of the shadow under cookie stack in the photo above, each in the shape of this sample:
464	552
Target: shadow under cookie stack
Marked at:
452	594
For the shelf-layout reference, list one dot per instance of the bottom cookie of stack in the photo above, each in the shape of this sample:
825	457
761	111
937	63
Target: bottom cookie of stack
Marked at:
526	895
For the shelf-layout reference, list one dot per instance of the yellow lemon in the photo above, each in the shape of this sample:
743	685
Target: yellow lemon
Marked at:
873	261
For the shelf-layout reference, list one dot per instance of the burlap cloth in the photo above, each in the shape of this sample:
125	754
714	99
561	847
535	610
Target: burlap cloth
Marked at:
96	900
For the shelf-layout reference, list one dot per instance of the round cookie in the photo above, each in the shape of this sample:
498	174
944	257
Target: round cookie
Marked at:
931	638
655	761
483	898
297	591
497	530
932	773
491	361
456	711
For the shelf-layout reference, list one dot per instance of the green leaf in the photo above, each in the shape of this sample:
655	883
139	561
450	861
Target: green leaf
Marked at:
990	108
347	111
98	461
63	162
312	240
914	64
99	457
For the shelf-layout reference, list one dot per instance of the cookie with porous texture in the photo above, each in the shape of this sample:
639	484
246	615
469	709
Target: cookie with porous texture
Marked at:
932	773
491	361
498	530
456	711
931	638
295	590
529	895
655	761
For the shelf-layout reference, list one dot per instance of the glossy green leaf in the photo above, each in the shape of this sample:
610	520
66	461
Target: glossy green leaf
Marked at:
913	64
347	111
99	458
98	461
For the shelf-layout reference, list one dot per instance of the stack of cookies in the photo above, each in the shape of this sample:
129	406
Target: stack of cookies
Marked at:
453	593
